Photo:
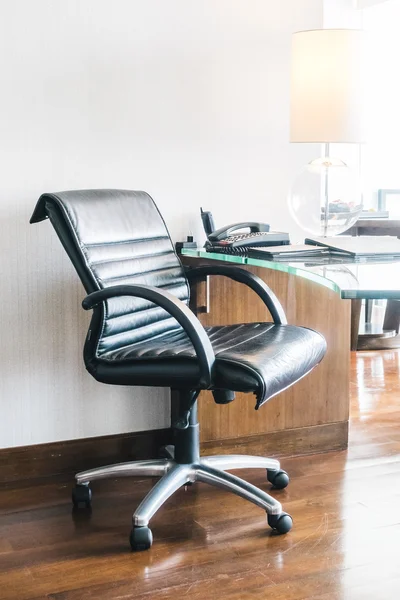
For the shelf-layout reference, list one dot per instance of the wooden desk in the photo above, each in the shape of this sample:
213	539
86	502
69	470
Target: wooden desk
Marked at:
312	415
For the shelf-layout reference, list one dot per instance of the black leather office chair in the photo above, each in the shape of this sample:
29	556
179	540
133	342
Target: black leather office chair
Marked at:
143	333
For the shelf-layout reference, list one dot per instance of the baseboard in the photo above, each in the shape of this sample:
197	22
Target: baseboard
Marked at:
289	442
66	458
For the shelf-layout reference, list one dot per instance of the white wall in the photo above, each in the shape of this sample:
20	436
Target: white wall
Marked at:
379	161
187	100
380	155
342	14
368	3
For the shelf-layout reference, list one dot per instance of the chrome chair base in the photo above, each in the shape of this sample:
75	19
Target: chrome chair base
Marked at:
208	469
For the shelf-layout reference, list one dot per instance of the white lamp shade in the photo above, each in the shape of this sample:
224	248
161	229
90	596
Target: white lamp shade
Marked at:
327	86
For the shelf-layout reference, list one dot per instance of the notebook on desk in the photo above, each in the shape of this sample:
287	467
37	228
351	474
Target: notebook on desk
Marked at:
289	252
359	247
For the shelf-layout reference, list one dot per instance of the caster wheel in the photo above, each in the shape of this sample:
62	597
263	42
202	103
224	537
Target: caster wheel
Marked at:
279	479
140	539
81	496
280	523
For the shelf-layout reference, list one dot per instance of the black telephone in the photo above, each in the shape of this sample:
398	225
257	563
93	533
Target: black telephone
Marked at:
224	239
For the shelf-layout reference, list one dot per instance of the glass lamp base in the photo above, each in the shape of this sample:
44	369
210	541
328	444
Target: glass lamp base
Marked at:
325	199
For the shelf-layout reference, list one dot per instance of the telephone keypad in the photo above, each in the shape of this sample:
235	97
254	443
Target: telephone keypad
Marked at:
243	236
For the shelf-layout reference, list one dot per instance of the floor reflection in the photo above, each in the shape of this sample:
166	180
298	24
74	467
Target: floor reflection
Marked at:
209	543
370	494
375	383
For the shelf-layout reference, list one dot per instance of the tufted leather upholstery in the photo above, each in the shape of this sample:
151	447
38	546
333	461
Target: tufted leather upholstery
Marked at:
118	237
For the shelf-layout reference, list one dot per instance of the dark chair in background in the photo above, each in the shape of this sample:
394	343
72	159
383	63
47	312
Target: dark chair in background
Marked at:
371	336
143	333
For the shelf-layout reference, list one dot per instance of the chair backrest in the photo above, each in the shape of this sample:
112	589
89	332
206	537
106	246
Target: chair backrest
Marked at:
116	237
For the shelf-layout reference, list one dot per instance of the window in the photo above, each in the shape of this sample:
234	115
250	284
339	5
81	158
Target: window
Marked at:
380	156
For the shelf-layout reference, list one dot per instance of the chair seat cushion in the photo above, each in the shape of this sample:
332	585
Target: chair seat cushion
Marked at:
262	358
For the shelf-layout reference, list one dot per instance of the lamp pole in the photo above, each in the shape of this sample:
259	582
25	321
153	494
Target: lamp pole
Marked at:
326	189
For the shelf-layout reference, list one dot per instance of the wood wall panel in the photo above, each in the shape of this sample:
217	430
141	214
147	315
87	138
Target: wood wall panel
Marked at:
64	459
286	442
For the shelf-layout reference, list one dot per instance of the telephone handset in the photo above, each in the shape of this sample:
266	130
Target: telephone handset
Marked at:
226	232
225	238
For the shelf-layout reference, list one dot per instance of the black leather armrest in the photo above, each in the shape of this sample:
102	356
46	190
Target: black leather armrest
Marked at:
176	309
243	276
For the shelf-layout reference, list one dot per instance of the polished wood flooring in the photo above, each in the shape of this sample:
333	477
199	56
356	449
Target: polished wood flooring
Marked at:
345	543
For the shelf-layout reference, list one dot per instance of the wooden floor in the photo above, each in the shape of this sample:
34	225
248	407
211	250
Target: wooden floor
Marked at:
345	543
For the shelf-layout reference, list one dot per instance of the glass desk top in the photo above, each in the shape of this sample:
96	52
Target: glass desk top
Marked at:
377	278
